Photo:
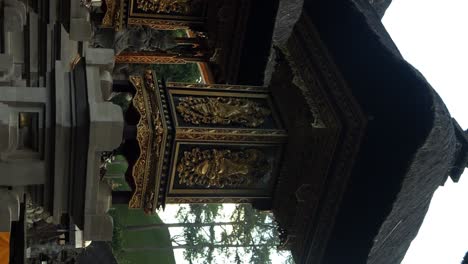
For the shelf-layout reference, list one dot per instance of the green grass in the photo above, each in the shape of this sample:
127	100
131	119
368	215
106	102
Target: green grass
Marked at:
132	239
118	183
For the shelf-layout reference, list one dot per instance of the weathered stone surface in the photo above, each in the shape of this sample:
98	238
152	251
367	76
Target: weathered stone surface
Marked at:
5	219
6	67
80	29
14	16
106	84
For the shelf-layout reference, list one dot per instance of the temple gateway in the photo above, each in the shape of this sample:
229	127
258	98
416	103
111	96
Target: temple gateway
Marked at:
305	109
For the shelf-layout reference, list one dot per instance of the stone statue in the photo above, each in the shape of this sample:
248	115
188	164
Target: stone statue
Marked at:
141	39
222	168
222	111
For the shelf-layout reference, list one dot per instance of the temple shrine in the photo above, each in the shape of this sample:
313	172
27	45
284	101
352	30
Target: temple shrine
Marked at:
201	143
312	114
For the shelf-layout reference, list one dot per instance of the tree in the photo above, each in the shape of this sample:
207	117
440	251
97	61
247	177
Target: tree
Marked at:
195	235
257	232
249	235
465	259
210	233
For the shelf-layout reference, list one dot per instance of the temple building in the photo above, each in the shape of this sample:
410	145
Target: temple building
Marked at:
309	112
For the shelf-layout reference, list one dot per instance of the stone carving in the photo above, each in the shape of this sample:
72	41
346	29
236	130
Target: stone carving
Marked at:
182	7
145	45
222	111
142	39
222	168
35	214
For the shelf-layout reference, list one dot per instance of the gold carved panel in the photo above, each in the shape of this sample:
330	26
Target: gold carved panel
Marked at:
176	10
224	169
151	137
182	7
220	168
222	111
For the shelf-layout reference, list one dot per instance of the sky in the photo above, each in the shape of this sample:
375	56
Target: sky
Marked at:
432	36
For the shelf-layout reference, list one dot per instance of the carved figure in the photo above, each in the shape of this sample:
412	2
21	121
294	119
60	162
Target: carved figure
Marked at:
141	39
221	168
222	111
165	6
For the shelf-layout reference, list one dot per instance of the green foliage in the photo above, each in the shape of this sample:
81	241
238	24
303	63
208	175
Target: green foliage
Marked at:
125	239
178	72
256	230
115	174
194	234
180	33
117	234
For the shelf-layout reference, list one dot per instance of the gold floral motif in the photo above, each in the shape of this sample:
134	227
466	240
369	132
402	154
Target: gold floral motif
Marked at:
244	135
149	136
221	168
165	6
107	21
113	15
149	81
138	58
158	24
222	111
227	87
180	200
139	169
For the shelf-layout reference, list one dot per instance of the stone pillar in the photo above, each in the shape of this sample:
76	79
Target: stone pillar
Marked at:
5	219
22	173
11	200
11	95
80	26
14	16
106	128
7	68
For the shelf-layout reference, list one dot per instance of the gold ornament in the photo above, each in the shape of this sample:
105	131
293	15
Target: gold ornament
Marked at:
221	168
222	111
165	6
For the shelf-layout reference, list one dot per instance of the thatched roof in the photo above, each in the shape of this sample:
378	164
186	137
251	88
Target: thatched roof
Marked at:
411	146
